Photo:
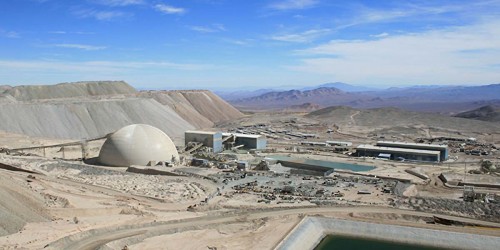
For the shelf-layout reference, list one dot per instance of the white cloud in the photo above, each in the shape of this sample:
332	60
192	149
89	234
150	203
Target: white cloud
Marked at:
101	15
383	34
59	32
453	55
241	42
9	34
119	2
208	29
167	9
94	66
293	4
62	32
363	15
303	37
79	46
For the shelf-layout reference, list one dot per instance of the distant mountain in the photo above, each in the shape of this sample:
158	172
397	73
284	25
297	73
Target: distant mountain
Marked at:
343	86
447	100
282	99
235	95
486	113
305	107
443	93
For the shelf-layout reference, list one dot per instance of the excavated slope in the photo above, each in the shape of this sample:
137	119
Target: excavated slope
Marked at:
211	106
201	108
88	119
18	205
93	109
182	106
68	90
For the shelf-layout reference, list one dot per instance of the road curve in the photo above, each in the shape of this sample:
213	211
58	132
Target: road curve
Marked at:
100	237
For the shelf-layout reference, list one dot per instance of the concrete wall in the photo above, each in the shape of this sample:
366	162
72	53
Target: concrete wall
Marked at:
311	230
213	140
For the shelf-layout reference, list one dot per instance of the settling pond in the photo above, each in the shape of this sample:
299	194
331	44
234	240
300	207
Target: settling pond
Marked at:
332	242
284	160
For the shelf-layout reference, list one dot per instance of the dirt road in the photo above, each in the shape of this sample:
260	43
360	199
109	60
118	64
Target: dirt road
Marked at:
86	240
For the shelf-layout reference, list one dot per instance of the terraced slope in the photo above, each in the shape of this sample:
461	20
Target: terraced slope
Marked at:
201	108
94	109
88	119
68	90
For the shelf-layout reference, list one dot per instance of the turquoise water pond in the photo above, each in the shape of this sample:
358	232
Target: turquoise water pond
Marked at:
327	164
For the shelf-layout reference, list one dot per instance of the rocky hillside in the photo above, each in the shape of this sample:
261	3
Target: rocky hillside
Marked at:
93	109
486	113
391	117
305	107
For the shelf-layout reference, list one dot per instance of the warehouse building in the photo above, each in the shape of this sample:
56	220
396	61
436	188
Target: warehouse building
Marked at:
207	138
443	149
399	153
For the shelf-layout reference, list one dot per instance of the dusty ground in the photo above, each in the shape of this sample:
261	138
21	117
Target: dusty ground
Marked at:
60	206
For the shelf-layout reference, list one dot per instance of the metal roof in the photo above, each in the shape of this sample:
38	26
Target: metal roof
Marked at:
243	135
202	132
398	150
411	144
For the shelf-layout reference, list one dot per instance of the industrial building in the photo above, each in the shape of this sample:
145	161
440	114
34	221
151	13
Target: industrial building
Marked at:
207	138
443	149
244	141
137	144
218	141
398	153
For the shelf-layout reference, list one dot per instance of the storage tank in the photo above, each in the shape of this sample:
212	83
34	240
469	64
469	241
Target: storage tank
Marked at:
137	144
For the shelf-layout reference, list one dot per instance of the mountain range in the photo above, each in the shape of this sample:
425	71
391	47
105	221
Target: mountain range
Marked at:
439	99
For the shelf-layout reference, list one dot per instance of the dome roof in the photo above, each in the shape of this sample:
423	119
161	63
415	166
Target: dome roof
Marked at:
137	144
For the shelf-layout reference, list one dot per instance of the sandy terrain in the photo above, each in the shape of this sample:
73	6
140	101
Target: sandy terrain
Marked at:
68	204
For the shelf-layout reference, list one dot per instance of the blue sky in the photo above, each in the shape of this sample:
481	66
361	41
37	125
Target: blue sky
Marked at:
215	44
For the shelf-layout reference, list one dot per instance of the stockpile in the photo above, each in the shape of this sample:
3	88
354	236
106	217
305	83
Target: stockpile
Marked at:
93	109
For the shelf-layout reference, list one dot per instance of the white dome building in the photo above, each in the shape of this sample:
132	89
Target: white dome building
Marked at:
137	144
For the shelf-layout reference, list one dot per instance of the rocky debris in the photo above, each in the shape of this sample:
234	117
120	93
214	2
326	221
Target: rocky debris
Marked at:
55	201
478	210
